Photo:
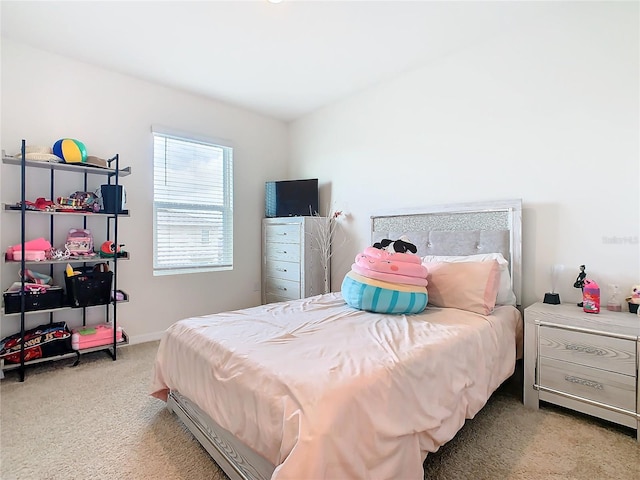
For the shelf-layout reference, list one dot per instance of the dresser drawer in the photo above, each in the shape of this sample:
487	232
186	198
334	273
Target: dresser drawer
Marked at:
591	383
272	298
282	233
282	252
606	353
283	288
283	270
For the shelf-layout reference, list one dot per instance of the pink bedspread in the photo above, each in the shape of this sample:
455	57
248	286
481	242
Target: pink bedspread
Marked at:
322	390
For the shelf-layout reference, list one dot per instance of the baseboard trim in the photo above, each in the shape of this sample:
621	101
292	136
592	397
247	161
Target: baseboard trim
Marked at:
148	337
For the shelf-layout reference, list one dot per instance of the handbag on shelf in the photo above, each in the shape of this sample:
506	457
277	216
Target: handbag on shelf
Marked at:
80	242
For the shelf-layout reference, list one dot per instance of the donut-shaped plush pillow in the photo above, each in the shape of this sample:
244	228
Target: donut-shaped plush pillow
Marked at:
378	296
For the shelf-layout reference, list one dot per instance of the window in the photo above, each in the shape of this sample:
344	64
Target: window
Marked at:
192	204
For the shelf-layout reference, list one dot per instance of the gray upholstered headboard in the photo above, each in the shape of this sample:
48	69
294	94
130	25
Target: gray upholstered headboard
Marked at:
461	229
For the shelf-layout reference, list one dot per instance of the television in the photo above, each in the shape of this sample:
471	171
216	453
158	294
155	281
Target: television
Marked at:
291	198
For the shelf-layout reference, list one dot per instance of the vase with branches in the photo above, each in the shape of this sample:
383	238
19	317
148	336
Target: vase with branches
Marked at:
322	242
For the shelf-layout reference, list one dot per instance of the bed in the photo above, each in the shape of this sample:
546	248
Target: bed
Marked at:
314	388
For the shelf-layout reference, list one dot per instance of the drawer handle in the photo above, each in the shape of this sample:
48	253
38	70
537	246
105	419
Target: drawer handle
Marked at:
582	381
281	269
284	289
585	349
282	251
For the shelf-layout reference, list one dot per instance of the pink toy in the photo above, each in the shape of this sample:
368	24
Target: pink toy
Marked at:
94	336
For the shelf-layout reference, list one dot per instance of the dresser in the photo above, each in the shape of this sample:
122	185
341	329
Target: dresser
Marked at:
291	262
583	361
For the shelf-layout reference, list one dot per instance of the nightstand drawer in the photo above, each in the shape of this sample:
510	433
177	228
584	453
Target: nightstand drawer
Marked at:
283	270
283	233
591	383
283	288
606	353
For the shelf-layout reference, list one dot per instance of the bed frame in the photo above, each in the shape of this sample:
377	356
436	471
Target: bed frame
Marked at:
461	229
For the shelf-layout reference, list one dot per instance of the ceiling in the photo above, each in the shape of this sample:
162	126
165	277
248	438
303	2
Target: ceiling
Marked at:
282	60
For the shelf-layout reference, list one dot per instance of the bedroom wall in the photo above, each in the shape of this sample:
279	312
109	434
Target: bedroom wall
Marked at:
46	97
548	114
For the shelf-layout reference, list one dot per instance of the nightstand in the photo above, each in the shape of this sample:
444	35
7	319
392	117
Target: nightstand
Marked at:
583	361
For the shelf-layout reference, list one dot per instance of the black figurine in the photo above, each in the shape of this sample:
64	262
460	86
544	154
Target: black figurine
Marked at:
579	283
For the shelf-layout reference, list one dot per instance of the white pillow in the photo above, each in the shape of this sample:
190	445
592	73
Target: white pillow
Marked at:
505	293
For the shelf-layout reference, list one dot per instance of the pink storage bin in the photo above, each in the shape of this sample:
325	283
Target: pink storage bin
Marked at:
94	336
29	255
36	244
34	250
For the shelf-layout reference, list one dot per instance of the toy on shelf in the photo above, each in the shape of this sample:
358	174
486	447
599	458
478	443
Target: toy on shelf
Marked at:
109	249
94	336
70	150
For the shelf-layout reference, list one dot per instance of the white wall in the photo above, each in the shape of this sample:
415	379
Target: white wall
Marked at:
46	97
547	114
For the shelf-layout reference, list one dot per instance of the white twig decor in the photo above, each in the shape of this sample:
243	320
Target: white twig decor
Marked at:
323	240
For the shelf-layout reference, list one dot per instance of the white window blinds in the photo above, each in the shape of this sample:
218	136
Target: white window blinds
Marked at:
192	205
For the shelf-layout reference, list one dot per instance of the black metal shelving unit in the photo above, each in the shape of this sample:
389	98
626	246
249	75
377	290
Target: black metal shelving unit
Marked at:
113	173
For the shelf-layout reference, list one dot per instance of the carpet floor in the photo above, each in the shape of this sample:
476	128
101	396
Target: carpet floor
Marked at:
96	421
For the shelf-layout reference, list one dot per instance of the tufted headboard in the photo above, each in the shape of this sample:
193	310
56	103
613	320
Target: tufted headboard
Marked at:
461	229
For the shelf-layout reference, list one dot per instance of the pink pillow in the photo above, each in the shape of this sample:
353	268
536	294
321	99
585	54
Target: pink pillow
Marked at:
471	286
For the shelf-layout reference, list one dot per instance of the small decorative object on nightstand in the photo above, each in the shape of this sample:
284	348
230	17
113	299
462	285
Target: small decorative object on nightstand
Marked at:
634	299
579	283
591	297
584	362
613	304
553	298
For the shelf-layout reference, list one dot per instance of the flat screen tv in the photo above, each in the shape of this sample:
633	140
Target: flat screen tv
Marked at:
291	198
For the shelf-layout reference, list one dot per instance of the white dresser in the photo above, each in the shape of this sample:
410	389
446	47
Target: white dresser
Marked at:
291	262
583	361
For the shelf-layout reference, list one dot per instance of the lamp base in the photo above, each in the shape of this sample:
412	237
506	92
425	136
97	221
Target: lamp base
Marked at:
552	298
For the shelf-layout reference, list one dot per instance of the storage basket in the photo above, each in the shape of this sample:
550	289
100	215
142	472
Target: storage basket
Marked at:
90	287
53	297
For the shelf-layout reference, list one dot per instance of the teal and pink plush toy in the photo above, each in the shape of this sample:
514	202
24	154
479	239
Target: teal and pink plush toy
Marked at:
385	280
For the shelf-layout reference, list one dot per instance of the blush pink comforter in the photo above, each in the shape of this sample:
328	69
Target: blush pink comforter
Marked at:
322	390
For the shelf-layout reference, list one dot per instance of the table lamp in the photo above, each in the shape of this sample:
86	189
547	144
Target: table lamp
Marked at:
553	298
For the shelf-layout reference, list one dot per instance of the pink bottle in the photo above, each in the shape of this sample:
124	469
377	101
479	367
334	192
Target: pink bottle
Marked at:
591	297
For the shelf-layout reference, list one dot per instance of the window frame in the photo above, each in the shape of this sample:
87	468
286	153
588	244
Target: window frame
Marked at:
226	208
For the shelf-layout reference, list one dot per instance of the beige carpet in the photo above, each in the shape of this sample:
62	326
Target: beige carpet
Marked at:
96	421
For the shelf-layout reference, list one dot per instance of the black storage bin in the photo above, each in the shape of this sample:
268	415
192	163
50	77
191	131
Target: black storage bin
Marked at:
53	297
90	287
112	199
